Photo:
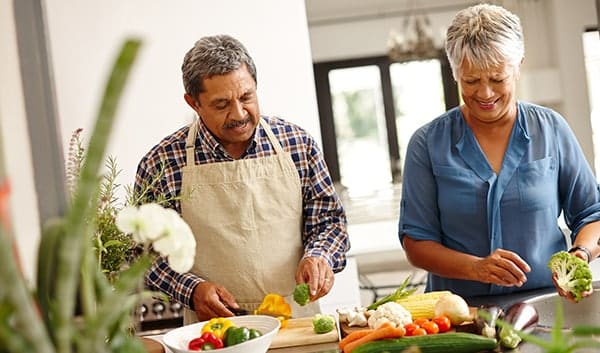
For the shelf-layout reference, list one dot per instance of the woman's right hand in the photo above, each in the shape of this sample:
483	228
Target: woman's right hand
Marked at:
503	268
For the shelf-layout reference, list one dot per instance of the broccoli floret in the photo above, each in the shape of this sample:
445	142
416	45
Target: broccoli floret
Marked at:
573	274
509	337
302	294
323	323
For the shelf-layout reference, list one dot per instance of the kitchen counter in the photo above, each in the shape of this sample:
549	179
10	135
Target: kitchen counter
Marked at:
503	301
313	348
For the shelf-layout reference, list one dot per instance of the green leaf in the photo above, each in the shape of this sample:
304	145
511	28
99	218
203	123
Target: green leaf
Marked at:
400	292
83	208
17	297
113	242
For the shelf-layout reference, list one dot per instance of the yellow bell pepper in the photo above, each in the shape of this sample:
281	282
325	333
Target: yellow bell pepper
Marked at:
217	326
276	306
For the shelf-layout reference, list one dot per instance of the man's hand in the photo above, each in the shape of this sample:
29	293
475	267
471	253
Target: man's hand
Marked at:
211	300
503	268
317	273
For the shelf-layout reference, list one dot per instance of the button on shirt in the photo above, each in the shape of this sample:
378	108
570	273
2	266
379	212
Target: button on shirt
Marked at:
452	196
324	228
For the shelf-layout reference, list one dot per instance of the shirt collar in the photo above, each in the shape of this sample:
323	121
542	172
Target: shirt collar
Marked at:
521	130
207	139
468	148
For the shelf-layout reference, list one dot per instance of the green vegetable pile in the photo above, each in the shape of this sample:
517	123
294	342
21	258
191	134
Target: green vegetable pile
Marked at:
323	323
574	274
302	294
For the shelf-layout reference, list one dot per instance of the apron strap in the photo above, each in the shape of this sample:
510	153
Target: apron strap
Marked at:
190	143
274	142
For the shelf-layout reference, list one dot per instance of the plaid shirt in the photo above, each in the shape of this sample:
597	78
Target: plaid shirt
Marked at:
324	231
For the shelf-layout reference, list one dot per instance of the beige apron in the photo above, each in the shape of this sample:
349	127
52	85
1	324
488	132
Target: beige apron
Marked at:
246	216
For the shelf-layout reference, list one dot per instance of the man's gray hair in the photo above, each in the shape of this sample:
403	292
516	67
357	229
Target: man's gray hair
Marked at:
213	55
486	36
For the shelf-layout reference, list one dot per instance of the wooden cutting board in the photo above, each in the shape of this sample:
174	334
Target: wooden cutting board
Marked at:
299	332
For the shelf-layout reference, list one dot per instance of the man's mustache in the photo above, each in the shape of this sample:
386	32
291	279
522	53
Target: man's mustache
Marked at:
237	123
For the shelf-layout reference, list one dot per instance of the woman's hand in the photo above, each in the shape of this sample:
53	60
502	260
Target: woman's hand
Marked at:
503	268
568	295
211	300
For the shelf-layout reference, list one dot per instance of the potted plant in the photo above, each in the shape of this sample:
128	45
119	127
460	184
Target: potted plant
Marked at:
69	273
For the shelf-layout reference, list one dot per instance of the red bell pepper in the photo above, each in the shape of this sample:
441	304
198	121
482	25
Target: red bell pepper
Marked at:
207	342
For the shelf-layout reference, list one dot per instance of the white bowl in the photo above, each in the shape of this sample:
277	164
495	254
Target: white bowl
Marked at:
177	340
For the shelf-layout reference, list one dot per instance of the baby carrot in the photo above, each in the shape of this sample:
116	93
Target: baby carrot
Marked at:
353	336
384	331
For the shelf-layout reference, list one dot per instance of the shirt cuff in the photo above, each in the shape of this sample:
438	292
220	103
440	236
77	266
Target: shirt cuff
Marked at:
319	253
585	250
188	286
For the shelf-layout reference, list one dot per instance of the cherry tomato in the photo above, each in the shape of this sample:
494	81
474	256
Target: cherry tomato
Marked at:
420	321
410	328
419	332
431	327
443	323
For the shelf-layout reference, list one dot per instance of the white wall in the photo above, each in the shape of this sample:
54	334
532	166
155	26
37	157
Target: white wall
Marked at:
84	37
15	142
553	73
570	18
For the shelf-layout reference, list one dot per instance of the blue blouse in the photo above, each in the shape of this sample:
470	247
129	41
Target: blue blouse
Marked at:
451	195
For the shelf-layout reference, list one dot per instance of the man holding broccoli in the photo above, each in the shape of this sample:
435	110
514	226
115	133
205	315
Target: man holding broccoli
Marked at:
254	189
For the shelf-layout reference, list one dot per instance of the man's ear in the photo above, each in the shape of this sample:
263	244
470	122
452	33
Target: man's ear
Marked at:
191	101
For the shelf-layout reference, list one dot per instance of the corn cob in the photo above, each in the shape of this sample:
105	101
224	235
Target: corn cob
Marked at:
422	305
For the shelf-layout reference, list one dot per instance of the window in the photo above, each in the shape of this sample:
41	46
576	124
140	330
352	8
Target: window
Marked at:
370	107
359	119
591	50
418	96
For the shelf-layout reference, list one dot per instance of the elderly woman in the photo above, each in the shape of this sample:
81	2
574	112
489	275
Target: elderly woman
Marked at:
486	182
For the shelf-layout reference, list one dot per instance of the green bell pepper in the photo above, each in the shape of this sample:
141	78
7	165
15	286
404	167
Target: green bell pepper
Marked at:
254	333
237	335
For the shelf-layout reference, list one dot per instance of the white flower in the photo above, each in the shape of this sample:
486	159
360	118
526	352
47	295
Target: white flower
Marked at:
155	220
144	223
183	260
128	220
170	241
169	234
178	243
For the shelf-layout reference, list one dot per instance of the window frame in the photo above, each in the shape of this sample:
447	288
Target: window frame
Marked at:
326	118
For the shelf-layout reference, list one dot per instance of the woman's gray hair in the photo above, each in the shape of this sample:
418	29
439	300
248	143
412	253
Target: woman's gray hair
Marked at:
213	55
486	36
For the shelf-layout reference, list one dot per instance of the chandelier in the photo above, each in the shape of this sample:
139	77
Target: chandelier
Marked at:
415	42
